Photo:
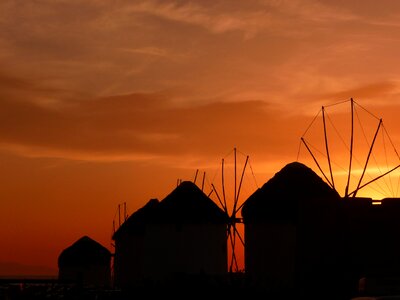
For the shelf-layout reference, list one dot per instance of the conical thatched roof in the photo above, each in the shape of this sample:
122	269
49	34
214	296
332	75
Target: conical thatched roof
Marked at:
83	252
136	221
279	198
186	204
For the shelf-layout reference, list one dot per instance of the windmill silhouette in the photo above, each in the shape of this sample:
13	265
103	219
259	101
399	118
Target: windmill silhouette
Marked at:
229	188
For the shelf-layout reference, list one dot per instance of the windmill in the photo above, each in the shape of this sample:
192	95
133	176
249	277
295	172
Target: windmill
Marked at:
230	186
352	150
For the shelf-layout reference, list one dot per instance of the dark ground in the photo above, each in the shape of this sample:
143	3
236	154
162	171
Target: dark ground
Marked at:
235	289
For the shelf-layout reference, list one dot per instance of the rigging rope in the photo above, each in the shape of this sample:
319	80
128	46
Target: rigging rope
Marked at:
372	153
389	186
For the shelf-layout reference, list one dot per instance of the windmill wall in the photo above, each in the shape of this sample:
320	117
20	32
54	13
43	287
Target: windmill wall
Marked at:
372	238
288	255
270	254
167	251
185	249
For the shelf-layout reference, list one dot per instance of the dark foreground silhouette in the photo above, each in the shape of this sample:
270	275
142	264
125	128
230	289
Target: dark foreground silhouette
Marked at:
235	286
303	241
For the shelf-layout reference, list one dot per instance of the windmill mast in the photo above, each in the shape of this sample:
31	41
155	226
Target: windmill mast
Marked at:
346	193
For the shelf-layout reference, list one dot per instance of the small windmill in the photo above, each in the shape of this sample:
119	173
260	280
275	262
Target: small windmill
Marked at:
227	189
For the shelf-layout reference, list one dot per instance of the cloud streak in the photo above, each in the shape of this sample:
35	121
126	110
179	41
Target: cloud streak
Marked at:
100	49
131	127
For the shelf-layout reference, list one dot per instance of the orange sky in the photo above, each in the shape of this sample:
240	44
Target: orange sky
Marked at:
104	103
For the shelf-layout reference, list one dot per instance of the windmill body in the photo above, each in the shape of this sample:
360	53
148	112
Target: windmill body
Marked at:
183	235
290	231
85	262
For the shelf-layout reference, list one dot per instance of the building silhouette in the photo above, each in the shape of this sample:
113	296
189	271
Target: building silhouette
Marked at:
372	241
85	262
291	234
301	237
182	236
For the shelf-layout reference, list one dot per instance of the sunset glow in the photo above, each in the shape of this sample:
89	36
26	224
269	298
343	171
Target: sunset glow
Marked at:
103	103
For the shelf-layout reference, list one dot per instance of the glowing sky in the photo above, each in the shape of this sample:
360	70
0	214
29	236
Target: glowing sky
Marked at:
104	102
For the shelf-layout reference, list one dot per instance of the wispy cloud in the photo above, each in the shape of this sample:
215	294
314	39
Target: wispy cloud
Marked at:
195	14
311	10
132	127
249	19
147	50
